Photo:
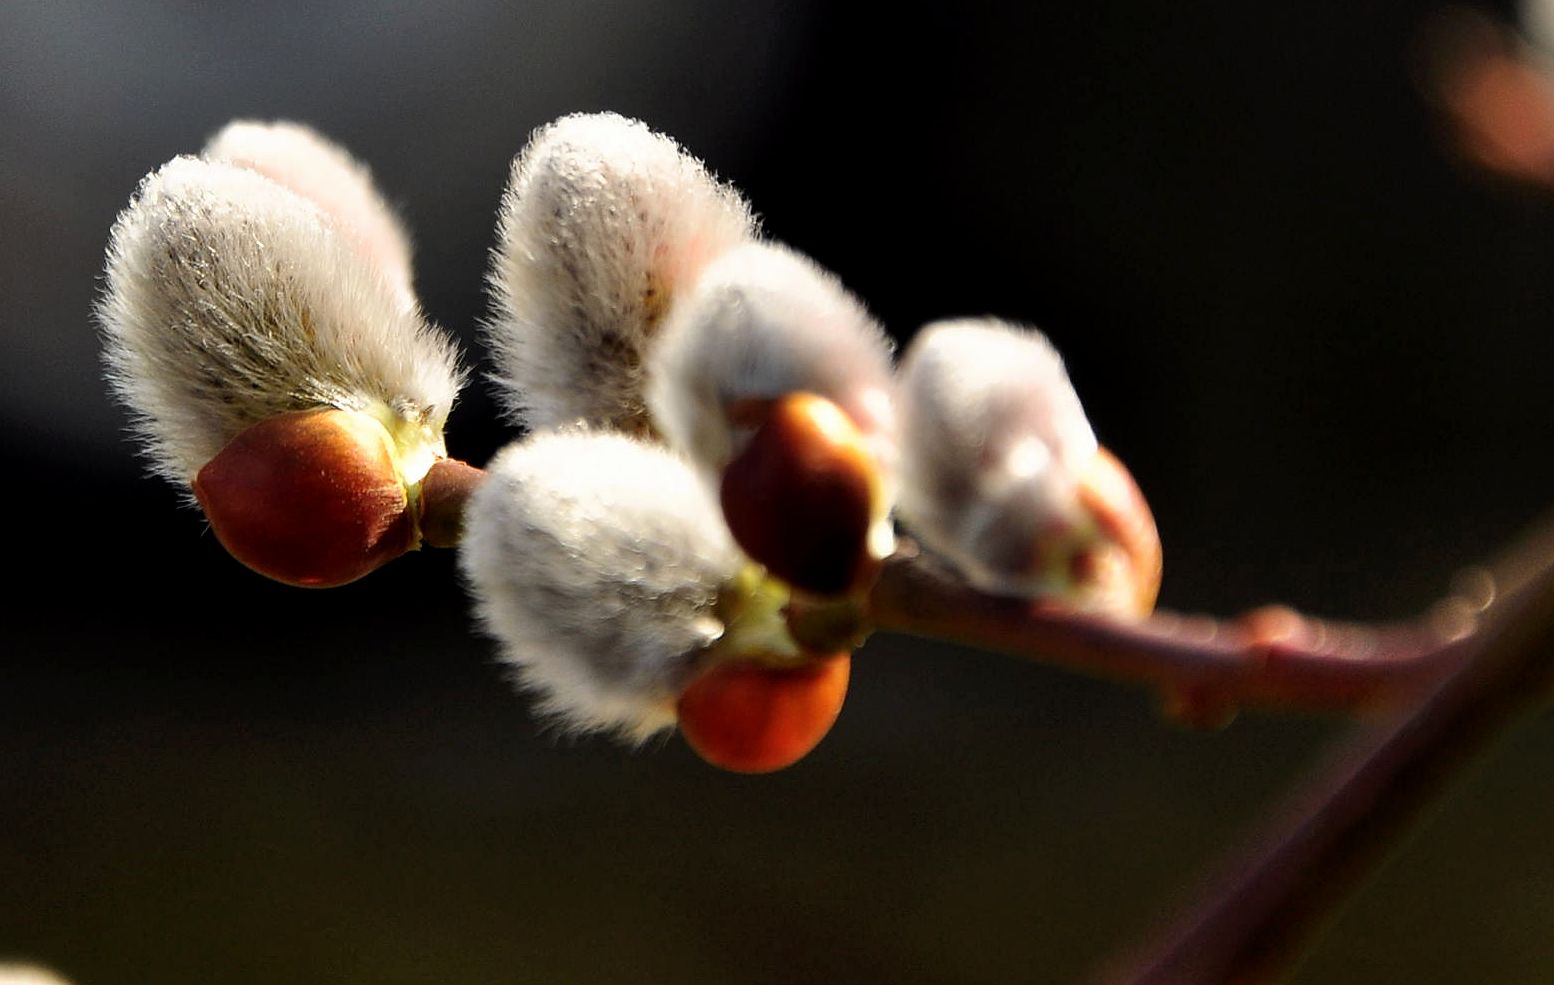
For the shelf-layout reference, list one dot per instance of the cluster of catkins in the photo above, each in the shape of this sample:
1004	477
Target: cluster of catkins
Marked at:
717	434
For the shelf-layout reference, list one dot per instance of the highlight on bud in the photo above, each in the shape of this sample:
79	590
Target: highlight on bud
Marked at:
312	498
326	174
600	565
604	223
764	322
231	300
801	496
1002	474
754	717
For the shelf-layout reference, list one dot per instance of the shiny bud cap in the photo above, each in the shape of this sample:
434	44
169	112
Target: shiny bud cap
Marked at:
312	498
749	717
801	497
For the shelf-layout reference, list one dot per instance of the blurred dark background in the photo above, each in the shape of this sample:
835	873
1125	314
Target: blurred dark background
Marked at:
1321	341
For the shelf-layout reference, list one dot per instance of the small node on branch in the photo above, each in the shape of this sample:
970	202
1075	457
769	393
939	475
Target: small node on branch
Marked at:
445	494
823	625
1196	708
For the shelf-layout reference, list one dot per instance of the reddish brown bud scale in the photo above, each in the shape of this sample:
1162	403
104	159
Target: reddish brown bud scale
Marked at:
1109	494
799	498
311	498
748	717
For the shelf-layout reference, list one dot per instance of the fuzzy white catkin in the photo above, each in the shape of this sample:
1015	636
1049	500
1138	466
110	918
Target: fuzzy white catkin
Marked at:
230	299
602	225
597	560
327	175
762	322
28	974
993	442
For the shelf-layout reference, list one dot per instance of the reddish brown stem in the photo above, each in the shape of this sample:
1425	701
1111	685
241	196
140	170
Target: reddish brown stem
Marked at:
1336	830
1272	656
444	492
1459	674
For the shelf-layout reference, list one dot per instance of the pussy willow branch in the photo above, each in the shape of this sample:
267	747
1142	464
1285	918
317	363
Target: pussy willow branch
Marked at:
1273	893
1453	678
1272	656
1336	829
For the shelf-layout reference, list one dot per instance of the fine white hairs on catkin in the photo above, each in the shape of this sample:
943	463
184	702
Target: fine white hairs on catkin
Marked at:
597	560
993	444
231	299
603	224
327	175
28	974
762	322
